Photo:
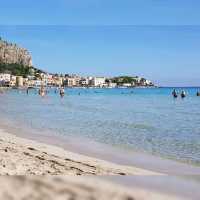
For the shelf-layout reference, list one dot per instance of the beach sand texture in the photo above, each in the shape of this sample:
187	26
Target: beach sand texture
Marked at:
24	157
71	188
19	156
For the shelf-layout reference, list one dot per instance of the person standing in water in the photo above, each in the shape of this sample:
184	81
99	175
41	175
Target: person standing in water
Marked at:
198	93
62	92
183	94
175	94
56	90
42	91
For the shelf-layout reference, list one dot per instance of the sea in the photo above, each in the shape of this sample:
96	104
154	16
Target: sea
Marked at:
147	120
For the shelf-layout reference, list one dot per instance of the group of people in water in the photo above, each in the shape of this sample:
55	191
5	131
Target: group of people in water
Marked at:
43	91
182	94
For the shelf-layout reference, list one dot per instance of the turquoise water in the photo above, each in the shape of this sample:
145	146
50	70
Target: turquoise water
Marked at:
144	120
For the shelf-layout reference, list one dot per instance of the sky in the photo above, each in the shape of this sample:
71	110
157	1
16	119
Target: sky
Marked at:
100	12
157	39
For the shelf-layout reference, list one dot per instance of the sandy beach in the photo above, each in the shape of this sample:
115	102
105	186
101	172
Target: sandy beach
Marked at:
72	188
20	156
26	157
56	171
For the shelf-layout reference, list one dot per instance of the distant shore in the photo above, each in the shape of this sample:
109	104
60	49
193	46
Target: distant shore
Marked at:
91	87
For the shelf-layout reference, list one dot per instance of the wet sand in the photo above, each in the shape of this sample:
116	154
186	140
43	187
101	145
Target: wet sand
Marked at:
100	151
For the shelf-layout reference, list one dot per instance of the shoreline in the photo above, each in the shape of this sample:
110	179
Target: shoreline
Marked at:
20	156
112	154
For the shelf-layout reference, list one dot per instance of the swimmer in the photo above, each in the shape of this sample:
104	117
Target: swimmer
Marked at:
175	94
183	94
62	92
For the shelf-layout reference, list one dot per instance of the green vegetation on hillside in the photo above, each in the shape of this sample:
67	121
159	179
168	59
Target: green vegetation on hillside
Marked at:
124	79
18	70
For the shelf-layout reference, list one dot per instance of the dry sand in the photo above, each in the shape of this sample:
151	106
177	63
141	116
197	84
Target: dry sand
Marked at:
19	156
71	188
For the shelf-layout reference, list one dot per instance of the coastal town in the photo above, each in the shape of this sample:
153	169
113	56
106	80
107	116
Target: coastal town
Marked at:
17	70
100	100
55	80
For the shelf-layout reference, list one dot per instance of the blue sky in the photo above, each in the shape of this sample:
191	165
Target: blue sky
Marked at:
100	12
153	38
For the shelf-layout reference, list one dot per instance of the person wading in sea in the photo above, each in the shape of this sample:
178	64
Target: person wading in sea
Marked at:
42	91
175	94
62	92
183	94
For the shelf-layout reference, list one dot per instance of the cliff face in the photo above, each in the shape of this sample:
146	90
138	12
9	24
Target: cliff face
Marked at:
11	53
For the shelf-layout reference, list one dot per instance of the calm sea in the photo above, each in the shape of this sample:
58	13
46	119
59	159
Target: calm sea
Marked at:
144	120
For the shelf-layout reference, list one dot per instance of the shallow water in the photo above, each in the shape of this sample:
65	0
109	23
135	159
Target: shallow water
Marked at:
144	120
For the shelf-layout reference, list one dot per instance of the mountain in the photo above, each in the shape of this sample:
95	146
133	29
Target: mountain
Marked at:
13	54
16	60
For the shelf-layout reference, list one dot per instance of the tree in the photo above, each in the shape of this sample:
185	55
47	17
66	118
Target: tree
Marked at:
15	69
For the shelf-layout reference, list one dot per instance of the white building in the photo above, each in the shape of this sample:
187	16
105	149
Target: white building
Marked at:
133	84
13	80
98	81
38	83
84	82
70	82
5	77
30	77
112	85
148	82
145	82
127	84
137	80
